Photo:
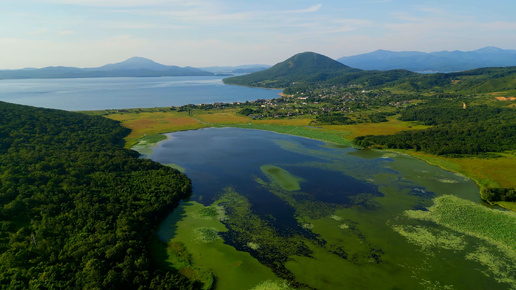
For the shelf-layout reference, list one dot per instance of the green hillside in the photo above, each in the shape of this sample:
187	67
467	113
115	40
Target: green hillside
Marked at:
76	209
307	67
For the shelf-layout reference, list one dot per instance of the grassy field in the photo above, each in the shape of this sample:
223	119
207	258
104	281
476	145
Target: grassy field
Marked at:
151	123
493	172
385	128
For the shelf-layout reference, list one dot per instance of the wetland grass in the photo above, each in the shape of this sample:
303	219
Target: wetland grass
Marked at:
494	226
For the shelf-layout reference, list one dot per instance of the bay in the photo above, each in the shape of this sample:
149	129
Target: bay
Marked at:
125	93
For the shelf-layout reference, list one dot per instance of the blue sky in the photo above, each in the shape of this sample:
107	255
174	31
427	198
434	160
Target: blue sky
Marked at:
89	33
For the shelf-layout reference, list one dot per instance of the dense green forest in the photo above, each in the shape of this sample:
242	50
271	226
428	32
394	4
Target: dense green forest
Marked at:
76	209
454	131
498	194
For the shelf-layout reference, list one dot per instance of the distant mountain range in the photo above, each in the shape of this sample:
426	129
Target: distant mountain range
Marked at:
305	65
133	67
310	70
442	61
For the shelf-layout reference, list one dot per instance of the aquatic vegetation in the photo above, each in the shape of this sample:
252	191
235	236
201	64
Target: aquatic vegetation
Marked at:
332	231
245	227
344	226
281	177
300	149
500	269
490	225
389	155
273	285
467	217
301	131
431	238
444	180
365	201
180	259
175	166
206	235
229	267
336	217
211	212
304	204
151	139
145	145
253	246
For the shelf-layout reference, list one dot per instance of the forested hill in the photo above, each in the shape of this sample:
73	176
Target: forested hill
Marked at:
304	67
308	69
76	209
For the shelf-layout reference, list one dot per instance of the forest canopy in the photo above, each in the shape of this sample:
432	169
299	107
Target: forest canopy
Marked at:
76	209
454	131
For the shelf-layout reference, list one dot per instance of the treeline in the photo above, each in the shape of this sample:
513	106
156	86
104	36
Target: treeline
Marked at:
343	119
76	209
455	130
498	194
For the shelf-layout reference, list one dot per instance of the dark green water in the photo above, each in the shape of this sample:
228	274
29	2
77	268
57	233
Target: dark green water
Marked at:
321	217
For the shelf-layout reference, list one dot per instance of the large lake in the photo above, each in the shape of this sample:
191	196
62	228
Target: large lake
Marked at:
268	208
125	93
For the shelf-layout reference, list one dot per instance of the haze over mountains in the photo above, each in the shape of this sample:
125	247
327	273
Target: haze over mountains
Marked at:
311	69
382	60
133	67
442	61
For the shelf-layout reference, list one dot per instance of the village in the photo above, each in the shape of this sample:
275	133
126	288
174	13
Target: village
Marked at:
357	105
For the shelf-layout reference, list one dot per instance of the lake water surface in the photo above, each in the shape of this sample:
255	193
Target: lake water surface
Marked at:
268	208
125	93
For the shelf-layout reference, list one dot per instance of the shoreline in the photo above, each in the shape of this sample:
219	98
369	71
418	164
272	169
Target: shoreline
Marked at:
480	171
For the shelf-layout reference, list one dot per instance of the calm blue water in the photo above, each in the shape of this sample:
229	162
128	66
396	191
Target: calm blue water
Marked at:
125	93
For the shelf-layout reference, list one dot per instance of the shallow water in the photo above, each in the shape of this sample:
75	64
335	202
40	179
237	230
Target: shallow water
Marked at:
318	216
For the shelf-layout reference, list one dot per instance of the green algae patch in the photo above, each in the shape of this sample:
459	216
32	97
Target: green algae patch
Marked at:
282	177
177	167
251	232
490	233
431	238
500	269
197	250
273	285
494	226
145	145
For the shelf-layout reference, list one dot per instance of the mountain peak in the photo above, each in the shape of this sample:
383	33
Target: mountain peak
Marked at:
138	59
489	49
311	62
135	63
307	67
